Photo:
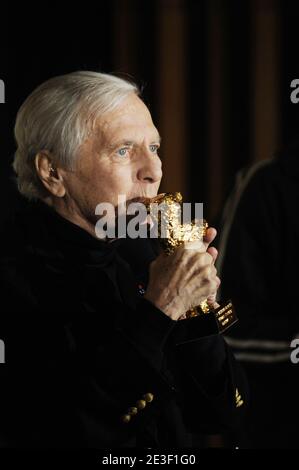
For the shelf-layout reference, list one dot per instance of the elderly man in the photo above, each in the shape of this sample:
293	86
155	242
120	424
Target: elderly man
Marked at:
92	361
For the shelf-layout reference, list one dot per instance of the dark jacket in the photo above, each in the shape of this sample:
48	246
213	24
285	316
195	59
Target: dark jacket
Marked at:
83	347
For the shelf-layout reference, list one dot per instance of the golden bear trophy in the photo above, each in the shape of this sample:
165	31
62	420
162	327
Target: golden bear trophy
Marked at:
165	212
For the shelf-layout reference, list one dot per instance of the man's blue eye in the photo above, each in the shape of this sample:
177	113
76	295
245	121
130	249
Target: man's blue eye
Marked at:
122	152
154	148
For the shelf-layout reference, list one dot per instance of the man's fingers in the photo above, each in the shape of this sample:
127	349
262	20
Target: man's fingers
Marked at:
213	252
210	236
202	245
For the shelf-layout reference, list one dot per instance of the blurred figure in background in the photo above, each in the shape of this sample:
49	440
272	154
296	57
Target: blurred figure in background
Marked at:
258	259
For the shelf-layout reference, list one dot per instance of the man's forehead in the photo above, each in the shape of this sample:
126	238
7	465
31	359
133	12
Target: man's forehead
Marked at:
129	130
130	108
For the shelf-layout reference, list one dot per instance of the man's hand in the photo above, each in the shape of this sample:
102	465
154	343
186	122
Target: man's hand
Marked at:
184	279
207	240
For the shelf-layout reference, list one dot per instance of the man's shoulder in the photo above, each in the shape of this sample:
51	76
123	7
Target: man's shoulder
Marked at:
14	236
17	252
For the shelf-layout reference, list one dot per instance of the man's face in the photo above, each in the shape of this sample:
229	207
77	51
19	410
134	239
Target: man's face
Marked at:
121	157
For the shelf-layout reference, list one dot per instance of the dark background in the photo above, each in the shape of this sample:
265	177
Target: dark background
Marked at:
216	75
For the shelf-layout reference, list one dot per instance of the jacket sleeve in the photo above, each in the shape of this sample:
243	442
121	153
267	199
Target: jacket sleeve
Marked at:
216	387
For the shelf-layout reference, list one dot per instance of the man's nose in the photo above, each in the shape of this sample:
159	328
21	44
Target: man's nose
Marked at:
150	169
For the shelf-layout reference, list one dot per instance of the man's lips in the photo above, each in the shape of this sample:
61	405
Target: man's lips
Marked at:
146	200
122	210
127	209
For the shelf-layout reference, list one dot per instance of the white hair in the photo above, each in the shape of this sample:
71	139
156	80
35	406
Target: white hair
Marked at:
58	116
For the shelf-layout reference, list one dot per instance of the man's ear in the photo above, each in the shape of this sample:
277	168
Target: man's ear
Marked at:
50	176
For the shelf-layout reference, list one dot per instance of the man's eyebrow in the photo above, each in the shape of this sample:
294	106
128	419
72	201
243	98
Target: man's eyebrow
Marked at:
131	142
119	143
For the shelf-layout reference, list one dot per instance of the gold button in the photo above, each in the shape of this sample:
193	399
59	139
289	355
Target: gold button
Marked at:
148	397
141	404
126	418
132	411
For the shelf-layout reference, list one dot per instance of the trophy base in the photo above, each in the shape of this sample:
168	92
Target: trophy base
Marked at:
225	314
